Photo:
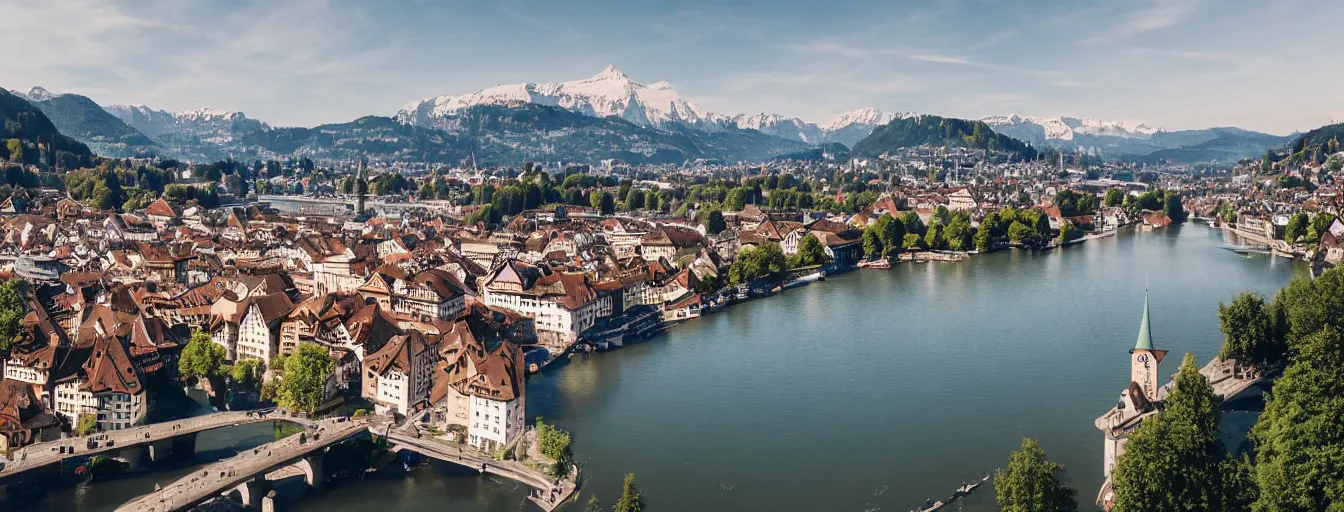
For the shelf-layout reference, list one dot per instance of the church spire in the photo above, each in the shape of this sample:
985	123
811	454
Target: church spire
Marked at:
1145	341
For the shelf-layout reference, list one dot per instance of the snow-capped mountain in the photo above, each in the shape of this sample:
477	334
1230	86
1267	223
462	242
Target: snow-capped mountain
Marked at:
37	93
865	116
207	124
1040	129
609	93
777	125
612	93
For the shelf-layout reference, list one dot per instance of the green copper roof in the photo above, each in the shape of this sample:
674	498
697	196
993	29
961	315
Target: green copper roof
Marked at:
1145	334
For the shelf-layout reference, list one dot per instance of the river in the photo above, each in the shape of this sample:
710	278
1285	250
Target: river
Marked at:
871	391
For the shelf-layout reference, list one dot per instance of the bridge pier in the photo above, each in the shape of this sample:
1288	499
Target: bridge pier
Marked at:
251	492
268	502
314	472
131	456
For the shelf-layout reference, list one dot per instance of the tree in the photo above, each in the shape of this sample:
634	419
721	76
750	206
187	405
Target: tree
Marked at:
912	241
1115	197
1020	233
1173	208
13	295
88	424
631	499
933	239
1310	305
872	243
15	147
810	251
1252	335
1174	460
891	231
603	202
1031	483
305	373
1320	223
1067	233
202	357
594	504
1297	226
1299	438
958	233
635	200
913	224
714	223
246	373
984	236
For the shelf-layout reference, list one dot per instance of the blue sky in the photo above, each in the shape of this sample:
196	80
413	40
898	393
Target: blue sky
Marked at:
1178	64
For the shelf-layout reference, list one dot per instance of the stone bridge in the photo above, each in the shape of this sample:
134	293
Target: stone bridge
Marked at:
245	473
162	439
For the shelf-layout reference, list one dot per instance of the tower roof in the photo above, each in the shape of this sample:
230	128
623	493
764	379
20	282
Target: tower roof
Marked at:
1145	341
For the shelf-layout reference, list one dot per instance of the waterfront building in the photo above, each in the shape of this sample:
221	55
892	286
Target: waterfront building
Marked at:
399	376
1138	401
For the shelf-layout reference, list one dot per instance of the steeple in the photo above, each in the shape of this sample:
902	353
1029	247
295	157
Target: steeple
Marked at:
1145	341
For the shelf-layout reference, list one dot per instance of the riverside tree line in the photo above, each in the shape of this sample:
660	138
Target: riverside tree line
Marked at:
1294	458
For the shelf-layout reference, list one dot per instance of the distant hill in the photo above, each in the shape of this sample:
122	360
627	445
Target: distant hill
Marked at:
1318	144
833	151
81	118
25	122
931	130
1211	145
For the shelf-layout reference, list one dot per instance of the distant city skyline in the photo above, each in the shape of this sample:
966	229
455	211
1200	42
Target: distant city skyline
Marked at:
1175	64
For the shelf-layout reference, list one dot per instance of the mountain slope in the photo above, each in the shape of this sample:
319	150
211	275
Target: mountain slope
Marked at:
1213	144
930	130
21	120
81	118
1318	143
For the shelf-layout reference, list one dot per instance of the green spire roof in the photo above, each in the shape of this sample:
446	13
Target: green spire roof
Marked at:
1145	334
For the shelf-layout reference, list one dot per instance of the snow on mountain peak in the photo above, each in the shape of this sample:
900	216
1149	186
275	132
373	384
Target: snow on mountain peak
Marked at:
868	116
38	93
608	93
1067	128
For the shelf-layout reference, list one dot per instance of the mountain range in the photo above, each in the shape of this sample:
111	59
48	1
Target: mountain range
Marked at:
611	93
607	115
1135	141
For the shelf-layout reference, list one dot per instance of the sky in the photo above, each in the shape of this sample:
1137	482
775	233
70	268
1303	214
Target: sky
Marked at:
1175	64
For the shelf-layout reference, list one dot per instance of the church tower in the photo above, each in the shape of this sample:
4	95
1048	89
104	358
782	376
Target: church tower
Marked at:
361	186
1144	359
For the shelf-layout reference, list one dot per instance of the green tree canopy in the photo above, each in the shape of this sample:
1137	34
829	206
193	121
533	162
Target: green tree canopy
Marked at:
13	299
202	357
810	251
1031	483
1296	228
304	378
1300	437
631	499
1115	197
1252	333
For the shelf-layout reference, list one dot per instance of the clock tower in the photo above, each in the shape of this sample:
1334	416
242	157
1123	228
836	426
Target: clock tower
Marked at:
1144	359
